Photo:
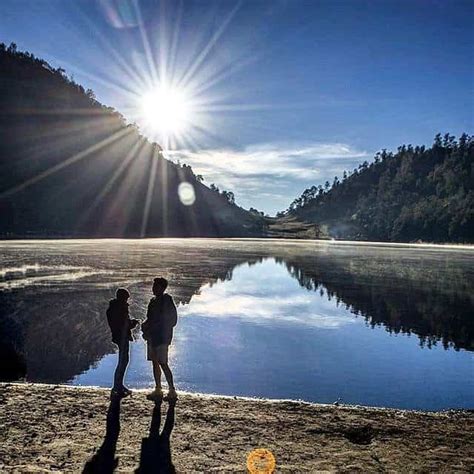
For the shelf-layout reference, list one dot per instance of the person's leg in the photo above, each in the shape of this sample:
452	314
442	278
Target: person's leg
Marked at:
168	374
123	360
157	394
157	375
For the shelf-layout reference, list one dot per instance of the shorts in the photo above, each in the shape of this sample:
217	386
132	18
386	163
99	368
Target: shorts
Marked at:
158	353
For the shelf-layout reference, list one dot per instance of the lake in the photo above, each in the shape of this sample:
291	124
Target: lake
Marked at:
371	324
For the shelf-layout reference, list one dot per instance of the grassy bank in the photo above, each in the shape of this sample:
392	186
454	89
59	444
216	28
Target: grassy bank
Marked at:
57	428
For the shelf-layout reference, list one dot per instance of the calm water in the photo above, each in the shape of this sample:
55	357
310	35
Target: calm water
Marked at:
368	324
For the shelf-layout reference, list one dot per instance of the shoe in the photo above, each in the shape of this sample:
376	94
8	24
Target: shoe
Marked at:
126	391
156	395
116	393
172	395
120	392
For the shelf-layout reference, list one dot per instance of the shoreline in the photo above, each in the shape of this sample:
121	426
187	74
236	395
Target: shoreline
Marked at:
328	241
264	400
66	428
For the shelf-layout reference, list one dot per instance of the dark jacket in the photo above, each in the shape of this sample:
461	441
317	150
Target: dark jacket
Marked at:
119	322
161	318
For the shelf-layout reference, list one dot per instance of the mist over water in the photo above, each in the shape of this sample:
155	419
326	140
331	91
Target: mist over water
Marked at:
369	324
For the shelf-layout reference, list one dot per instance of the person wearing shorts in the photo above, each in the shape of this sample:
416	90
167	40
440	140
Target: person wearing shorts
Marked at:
158	332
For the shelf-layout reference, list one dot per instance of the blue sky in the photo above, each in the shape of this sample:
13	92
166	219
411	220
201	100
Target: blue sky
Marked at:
290	93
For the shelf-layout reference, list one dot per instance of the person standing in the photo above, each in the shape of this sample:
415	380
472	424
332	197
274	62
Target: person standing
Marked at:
158	332
121	327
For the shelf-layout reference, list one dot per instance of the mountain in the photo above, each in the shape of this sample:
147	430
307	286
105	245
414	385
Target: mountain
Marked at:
70	166
414	194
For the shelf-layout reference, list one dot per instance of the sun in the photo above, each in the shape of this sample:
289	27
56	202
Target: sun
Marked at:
166	110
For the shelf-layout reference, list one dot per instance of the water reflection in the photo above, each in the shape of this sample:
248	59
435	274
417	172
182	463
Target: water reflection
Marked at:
265	295
435	307
280	320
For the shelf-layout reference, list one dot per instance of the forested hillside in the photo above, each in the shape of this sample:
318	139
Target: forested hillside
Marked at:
70	166
414	194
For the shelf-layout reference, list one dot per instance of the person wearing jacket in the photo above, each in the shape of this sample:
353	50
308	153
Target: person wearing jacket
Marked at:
158	332
121	327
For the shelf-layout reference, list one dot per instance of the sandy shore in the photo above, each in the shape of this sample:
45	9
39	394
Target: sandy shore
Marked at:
55	428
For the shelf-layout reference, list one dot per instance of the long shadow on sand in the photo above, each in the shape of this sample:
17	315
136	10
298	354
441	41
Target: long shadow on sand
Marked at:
155	456
104	461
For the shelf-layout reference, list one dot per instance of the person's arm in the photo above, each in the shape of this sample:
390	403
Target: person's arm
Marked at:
113	319
110	316
131	321
172	312
147	323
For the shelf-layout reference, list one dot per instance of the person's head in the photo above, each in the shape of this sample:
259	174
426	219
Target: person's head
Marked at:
122	294
159	286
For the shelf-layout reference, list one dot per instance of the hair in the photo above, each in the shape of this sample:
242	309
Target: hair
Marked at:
160	281
122	293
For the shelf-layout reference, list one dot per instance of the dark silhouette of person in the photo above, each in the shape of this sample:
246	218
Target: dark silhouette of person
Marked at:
155	456
104	461
12	364
121	327
158	332
12	361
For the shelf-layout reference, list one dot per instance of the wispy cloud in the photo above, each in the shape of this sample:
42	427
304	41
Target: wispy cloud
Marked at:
269	176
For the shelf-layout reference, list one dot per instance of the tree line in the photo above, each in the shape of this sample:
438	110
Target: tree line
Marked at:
417	193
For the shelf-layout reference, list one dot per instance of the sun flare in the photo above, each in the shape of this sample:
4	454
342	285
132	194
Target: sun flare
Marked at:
166	110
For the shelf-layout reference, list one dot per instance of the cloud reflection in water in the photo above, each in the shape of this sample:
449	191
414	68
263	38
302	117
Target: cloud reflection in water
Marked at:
265	295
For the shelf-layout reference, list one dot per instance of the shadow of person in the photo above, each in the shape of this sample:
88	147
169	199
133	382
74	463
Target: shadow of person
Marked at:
104	460
156	452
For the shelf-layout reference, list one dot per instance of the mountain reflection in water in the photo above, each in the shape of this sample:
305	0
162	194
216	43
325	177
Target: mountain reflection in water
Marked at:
259	318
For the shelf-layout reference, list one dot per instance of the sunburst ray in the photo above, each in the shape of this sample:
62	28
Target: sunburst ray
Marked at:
149	194
69	161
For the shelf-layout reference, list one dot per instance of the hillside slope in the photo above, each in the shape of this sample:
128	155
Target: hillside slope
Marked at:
71	167
417	193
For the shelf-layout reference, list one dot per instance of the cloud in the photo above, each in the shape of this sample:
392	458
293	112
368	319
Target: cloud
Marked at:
269	176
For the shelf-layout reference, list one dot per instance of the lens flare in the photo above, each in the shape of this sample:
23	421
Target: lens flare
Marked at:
186	193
